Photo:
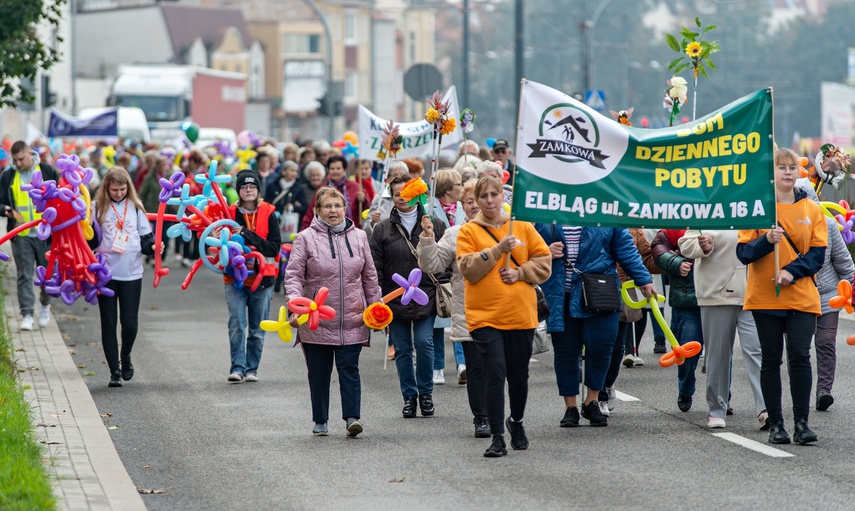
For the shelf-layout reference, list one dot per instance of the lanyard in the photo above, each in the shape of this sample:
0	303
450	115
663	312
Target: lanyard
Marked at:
250	220
120	222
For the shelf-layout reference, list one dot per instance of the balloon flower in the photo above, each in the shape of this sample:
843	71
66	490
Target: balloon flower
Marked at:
377	316
315	309
409	289
72	270
679	353
844	300
281	325
200	216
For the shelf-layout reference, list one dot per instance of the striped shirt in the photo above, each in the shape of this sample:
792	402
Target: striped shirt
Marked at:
572	237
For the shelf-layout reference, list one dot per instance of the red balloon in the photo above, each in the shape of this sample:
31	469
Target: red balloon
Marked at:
645	122
685	120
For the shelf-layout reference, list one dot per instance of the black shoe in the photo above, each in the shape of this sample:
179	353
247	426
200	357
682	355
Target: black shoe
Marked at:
777	433
115	379
571	418
729	411
409	410
482	427
659	347
803	434
426	404
684	403
277	287
518	439
127	369
823	401
591	411
497	449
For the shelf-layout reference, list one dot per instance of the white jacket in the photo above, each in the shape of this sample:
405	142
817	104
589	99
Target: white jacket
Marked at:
434	257
720	278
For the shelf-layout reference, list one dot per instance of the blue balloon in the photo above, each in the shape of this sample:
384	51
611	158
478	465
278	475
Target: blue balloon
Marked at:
491	142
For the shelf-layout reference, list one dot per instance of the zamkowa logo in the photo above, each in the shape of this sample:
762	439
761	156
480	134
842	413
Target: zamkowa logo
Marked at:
568	134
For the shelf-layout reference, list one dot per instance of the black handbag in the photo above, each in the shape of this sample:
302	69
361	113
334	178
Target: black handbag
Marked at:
599	292
542	304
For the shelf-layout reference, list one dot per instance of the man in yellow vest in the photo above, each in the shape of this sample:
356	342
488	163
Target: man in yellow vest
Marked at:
27	248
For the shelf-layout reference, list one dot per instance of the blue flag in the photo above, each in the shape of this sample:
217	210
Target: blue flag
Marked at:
104	124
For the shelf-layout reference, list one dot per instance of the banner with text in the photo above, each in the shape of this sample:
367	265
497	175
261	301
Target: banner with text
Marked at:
579	167
418	136
103	124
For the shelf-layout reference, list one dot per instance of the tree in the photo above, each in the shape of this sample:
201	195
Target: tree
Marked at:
22	53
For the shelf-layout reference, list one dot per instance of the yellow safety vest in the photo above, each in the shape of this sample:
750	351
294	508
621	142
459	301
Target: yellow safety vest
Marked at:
23	203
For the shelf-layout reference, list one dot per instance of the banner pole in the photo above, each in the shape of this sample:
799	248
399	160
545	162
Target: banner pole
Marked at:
777	252
516	157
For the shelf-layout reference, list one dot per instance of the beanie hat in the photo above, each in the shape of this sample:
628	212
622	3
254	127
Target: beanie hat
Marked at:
247	177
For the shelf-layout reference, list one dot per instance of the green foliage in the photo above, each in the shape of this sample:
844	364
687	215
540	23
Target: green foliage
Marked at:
24	483
22	53
699	62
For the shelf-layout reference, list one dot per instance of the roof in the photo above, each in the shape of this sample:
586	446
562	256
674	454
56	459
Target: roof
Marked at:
185	23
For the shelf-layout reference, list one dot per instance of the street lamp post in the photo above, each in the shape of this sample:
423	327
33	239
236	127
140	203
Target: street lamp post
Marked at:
588	28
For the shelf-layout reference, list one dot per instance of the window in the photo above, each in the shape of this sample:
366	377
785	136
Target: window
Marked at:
301	43
350	85
350	28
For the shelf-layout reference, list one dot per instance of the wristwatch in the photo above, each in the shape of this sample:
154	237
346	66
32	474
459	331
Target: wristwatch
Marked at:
484	256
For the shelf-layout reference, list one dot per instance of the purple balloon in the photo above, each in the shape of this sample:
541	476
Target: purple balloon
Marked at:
412	291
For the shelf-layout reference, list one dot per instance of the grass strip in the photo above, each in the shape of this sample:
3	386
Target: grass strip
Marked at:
24	482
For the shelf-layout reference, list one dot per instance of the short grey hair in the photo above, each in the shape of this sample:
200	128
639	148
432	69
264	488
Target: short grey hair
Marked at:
322	146
314	165
488	165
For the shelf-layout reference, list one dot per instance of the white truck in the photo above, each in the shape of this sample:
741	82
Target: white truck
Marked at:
171	95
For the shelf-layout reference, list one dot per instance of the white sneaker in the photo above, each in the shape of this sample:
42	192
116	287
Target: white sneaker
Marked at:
252	377
628	361
27	323
715	423
638	361
235	377
612	398
44	316
604	409
438	377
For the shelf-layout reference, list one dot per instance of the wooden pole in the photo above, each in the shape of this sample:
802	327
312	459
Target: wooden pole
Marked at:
516	155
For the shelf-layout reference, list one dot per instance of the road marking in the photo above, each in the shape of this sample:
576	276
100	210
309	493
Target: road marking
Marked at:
754	446
625	397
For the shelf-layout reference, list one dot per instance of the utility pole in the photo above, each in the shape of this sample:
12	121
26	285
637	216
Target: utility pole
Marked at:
588	29
73	59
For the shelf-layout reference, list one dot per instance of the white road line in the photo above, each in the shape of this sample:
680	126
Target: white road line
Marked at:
625	397
754	446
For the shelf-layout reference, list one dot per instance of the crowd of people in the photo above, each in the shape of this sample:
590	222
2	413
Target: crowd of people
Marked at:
350	232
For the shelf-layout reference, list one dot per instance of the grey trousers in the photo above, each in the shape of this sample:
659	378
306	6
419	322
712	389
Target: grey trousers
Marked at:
826	352
28	252
720	324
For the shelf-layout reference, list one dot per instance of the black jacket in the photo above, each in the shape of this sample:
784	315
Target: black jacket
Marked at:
392	255
6	196
297	194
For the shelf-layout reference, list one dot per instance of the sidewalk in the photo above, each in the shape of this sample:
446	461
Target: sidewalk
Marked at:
85	470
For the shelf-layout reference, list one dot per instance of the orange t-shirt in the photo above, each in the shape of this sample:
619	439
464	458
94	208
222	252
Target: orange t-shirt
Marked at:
805	223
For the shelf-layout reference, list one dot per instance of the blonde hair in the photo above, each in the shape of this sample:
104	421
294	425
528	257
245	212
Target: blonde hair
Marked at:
325	192
468	187
485	182
445	179
786	156
115	176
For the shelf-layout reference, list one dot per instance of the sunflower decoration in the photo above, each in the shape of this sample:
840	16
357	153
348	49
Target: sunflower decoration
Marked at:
695	53
439	115
415	192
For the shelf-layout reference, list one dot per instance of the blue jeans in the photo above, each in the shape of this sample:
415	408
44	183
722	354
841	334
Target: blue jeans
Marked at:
406	334
686	325
597	334
246	349
439	350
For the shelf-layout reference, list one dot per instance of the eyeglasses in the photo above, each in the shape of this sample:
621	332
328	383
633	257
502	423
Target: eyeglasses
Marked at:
330	207
249	187
500	151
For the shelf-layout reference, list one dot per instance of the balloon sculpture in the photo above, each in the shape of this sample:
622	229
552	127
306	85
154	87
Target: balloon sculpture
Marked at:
844	300
844	216
202	215
313	308
679	353
72	270
378	315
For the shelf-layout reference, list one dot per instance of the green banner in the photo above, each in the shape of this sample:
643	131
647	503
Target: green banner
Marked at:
575	166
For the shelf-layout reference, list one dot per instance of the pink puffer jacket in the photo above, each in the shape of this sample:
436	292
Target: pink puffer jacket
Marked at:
343	264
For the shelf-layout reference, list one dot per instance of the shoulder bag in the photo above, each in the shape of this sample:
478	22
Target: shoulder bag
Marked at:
599	290
542	304
443	291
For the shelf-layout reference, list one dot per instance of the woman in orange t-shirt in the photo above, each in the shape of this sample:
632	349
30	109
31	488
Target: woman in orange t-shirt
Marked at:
801	227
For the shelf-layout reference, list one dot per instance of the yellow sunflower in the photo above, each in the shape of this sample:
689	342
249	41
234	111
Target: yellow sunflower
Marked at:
693	49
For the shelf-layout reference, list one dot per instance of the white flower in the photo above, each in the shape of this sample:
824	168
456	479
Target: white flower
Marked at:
677	81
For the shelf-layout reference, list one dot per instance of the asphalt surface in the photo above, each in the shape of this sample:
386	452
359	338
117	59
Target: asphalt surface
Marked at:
215	445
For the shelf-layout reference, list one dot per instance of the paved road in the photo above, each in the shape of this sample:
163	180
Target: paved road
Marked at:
213	445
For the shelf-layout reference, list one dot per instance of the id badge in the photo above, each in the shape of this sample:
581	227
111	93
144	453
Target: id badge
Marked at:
120	242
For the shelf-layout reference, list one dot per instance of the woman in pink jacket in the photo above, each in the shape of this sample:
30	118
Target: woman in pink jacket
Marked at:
333	253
